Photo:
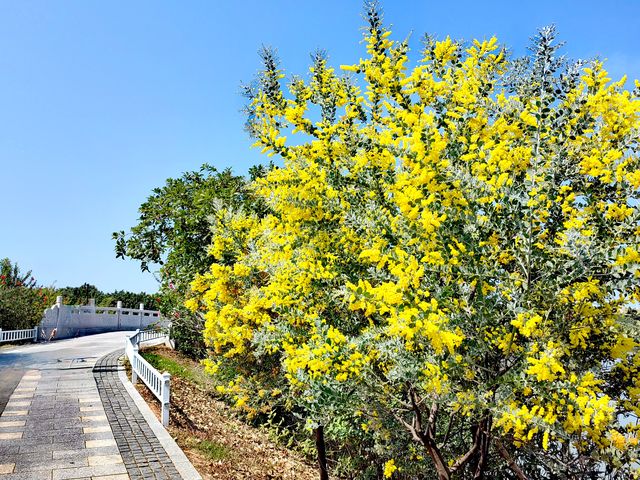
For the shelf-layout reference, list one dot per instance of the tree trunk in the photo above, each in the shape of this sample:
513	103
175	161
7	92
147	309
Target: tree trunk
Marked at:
322	453
483	439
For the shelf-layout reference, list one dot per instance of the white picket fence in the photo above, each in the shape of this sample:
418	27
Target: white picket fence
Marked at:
157	382
15	335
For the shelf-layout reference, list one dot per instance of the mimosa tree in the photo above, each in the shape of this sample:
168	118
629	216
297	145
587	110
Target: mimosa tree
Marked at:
451	262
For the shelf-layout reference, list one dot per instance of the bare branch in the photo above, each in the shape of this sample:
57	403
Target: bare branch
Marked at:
448	431
409	427
510	461
463	460
431	428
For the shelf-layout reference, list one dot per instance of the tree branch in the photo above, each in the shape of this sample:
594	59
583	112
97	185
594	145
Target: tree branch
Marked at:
463	460
510	461
446	435
425	436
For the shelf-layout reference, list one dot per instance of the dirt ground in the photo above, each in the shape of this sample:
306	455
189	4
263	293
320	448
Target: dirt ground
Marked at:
218	445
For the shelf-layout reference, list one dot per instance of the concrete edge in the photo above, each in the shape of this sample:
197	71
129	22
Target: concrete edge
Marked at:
177	456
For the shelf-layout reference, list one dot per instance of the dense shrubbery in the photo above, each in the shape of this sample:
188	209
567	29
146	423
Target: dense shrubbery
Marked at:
443	275
448	278
22	301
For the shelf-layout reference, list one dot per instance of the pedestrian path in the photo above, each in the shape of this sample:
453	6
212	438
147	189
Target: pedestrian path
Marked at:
54	427
78	421
143	455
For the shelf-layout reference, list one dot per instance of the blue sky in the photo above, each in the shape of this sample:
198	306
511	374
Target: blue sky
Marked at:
100	102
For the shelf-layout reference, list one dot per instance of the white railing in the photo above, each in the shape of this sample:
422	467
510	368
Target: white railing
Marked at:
157	382
15	335
140	313
68	321
146	335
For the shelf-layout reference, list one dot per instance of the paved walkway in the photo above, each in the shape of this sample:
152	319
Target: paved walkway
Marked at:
54	427
72	418
143	455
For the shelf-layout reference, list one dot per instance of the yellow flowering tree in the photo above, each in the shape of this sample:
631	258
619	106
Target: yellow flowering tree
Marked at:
451	264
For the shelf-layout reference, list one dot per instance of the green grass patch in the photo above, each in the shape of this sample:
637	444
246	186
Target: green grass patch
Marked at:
213	450
163	364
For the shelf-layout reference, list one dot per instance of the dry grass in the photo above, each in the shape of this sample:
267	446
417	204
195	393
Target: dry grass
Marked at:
219	445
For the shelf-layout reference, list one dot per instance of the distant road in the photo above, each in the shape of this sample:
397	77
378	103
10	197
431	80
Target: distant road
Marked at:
59	355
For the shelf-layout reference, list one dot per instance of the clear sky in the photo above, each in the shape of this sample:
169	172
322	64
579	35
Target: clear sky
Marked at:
100	102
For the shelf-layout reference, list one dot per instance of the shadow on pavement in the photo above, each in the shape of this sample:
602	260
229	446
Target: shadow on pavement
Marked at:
9	379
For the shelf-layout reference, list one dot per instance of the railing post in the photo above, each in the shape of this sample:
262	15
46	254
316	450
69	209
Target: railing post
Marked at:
134	374
119	308
141	316
166	377
58	309
35	334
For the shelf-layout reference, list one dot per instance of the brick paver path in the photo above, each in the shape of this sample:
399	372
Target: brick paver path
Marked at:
78	423
143	455
54	428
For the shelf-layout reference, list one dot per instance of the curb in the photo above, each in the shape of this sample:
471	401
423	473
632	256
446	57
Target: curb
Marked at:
177	456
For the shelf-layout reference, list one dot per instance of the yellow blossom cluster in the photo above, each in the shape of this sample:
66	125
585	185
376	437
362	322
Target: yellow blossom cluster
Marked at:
434	233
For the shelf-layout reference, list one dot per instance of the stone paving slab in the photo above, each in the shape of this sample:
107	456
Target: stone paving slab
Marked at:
46	433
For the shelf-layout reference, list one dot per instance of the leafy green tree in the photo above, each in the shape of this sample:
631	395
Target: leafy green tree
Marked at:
81	295
131	300
22	301
174	231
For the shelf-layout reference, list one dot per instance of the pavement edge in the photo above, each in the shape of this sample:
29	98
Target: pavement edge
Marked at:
177	456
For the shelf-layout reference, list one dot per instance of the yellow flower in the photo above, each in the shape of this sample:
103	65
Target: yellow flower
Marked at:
526	323
389	468
545	440
191	304
528	119
617	439
546	367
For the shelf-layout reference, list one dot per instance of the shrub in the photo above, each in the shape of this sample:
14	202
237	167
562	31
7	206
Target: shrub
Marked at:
22	302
